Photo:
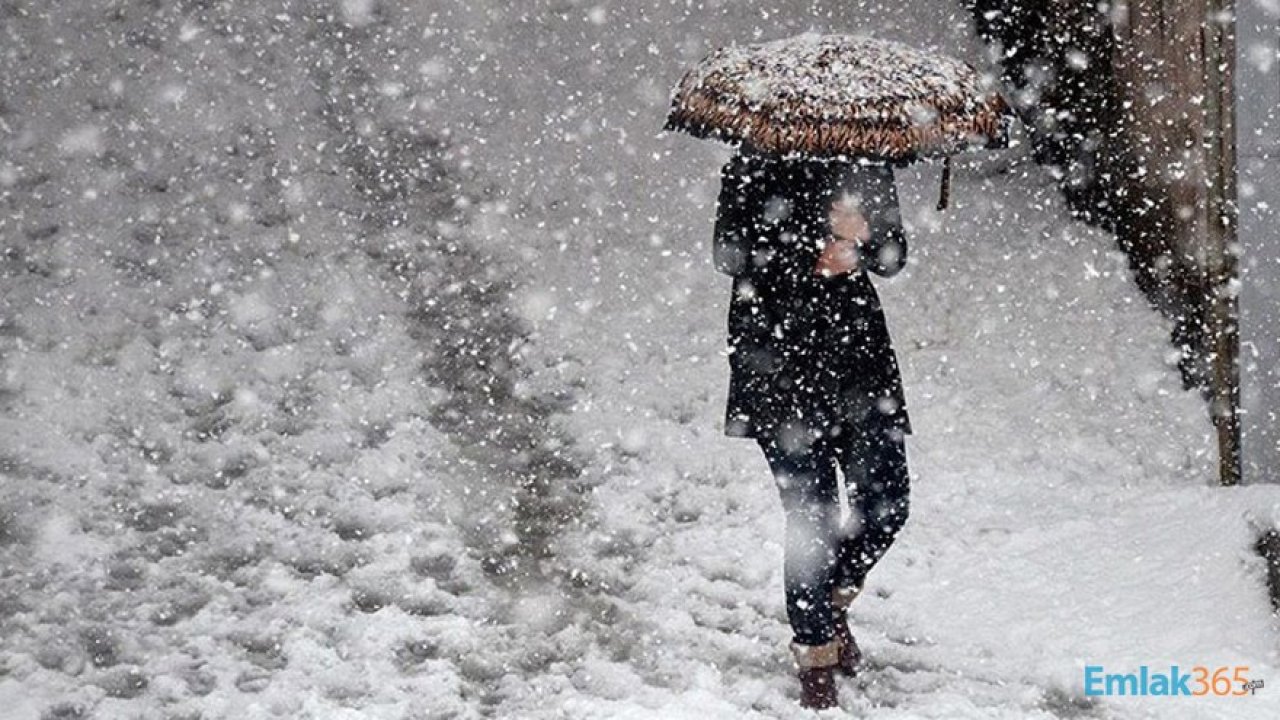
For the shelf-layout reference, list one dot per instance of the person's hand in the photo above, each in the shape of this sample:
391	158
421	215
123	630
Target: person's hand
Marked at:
848	222
838	257
849	228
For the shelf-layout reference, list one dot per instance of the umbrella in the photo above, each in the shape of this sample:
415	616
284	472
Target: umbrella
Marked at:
834	96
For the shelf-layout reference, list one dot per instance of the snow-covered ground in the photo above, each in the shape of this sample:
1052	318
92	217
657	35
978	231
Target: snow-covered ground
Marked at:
307	414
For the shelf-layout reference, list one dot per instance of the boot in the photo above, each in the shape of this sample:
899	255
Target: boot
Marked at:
850	655
817	664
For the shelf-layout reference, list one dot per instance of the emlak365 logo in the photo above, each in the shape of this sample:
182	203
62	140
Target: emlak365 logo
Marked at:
1173	681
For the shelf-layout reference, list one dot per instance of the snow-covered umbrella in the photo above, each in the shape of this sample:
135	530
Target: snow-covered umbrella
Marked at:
831	96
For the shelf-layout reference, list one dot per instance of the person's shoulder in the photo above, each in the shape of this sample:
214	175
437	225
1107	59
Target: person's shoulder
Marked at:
751	167
868	173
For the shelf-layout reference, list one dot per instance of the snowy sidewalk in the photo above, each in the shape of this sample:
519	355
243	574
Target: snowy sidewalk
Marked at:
1063	507
1062	514
272	447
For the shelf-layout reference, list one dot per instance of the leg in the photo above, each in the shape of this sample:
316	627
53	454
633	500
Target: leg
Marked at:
806	479
874	463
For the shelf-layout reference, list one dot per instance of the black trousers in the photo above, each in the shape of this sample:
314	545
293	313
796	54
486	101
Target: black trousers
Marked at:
821	553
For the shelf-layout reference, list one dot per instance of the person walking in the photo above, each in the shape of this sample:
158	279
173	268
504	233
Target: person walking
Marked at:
814	379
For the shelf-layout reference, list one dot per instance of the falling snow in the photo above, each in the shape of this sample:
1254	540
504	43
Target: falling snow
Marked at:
364	359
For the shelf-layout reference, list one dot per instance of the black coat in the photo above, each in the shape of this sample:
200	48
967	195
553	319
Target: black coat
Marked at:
808	354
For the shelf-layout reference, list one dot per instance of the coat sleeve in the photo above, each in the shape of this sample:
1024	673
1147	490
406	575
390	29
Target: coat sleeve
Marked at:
732	244
885	252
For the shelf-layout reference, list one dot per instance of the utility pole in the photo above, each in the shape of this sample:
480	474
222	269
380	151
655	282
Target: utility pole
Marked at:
1221	266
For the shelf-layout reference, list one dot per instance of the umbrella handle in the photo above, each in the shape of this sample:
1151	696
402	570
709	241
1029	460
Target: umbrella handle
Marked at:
944	192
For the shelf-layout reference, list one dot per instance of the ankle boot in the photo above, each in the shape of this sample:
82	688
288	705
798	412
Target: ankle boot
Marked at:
817	664
850	655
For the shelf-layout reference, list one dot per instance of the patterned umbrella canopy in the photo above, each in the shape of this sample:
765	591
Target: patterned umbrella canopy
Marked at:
839	95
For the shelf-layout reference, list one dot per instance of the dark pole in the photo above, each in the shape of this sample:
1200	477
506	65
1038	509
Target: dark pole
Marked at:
1222	271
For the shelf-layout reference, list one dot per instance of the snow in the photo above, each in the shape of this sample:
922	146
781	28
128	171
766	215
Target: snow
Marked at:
296	403
836	71
833	94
